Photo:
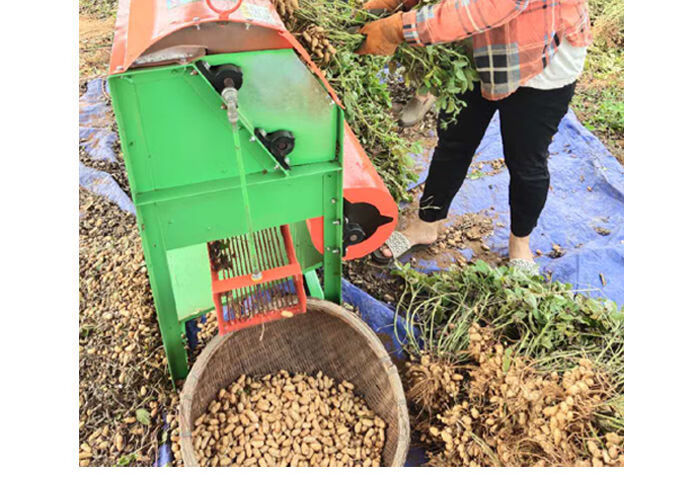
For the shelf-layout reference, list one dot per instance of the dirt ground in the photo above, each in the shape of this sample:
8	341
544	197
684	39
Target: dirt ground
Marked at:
95	46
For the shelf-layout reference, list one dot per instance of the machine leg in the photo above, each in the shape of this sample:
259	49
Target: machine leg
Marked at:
332	236
163	297
314	284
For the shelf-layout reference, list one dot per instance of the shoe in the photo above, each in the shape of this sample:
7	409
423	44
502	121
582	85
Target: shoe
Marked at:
416	109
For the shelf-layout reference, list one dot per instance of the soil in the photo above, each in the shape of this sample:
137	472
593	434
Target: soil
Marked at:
467	231
95	47
117	169
374	279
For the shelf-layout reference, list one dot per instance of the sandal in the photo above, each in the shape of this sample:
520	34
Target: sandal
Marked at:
399	245
530	268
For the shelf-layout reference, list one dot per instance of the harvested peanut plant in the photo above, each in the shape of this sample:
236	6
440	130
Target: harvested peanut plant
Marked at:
324	29
508	370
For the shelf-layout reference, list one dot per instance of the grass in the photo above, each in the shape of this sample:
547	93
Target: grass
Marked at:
599	100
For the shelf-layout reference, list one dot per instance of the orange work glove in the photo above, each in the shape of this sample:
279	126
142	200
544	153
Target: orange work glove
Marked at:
383	36
389	5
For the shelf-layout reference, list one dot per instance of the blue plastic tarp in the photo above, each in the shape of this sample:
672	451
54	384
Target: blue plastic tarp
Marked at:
96	120
99	140
586	200
584	214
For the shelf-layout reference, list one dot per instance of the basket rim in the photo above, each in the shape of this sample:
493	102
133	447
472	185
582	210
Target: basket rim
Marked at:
313	304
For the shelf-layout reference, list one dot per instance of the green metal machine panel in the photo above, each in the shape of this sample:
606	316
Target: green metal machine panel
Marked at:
189	271
309	258
191	217
175	132
188	186
279	92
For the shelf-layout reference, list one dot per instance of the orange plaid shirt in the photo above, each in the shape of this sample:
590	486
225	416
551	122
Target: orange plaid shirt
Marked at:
514	40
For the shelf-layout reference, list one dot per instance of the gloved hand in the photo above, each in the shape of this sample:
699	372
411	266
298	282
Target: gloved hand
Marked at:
383	36
389	5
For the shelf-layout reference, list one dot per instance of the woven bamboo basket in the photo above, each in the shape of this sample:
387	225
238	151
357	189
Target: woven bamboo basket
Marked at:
326	338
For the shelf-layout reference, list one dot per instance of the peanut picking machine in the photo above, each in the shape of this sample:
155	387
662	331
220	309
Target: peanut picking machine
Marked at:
245	177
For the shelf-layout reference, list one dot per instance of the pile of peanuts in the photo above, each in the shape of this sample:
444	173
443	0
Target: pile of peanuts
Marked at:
508	413
318	45
288	420
286	8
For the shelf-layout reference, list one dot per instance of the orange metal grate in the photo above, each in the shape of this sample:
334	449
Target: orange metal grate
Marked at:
243	299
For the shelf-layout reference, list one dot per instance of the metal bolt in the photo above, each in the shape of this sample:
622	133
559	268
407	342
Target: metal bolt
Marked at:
286	160
193	72
247	26
252	139
336	222
333	200
336	251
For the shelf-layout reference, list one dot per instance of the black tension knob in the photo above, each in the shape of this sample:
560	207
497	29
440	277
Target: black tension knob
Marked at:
280	143
222	76
227	75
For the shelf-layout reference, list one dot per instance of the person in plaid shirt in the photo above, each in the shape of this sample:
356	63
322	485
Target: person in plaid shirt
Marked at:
529	54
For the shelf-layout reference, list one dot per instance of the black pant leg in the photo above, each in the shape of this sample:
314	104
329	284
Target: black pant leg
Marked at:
454	152
529	120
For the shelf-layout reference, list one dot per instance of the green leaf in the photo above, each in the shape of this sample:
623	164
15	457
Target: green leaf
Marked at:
126	460
143	416
532	301
507	359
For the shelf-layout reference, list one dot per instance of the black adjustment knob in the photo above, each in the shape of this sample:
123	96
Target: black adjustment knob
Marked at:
227	75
